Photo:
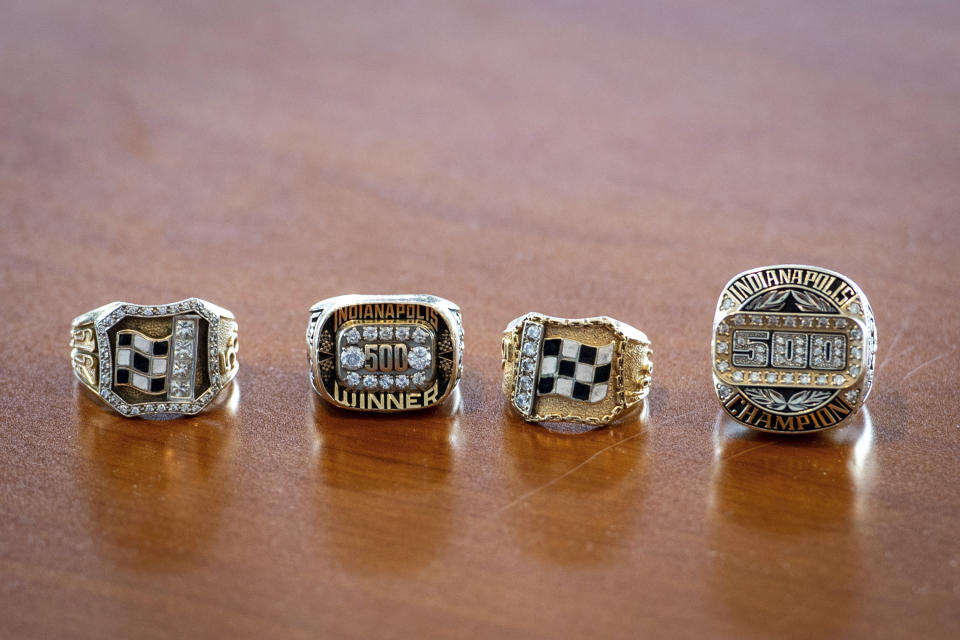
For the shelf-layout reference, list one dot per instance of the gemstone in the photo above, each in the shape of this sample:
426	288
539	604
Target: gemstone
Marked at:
179	388
804	378
134	411
386	383
854	371
725	391
184	330
402	333
523	399
402	382
855	308
723	365
855	333
352	336
838	379
754	377
738	376
183	349
851	396
369	333
823	322
419	358
529	349
790	321
855	352
821	379
722	347
756	320
124	409
527	365
147	311
369	382
420	336
840	323
352	380
727	304
773	321
739	320
526	383
771	377
806	322
723	328
788	378
386	333
351	358
419	379
534	331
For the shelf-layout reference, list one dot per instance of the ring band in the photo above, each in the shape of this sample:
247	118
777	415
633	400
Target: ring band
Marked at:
794	348
168	359
385	353
585	371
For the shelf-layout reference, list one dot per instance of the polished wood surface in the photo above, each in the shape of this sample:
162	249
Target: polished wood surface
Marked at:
569	158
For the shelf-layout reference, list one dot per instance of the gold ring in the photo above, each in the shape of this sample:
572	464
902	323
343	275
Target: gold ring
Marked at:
793	348
168	359
385	353
587	370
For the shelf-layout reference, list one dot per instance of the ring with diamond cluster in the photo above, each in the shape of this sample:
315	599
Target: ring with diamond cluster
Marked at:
793	348
587	371
385	353
161	360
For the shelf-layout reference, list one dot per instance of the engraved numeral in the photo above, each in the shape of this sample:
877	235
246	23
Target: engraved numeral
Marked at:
385	358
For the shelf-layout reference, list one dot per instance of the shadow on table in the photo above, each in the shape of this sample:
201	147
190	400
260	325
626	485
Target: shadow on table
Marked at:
156	488
578	489
384	503
785	514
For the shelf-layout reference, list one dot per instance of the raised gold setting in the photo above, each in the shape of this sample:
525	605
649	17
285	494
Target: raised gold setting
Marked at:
793	348
385	353
589	370
159	360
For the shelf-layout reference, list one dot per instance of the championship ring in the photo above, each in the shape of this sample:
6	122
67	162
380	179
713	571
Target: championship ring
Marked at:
168	359
585	371
793	348
385	353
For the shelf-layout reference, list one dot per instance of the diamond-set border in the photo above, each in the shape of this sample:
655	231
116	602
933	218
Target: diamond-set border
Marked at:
121	311
528	366
723	347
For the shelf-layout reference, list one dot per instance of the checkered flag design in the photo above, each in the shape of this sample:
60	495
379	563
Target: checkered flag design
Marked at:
575	370
142	362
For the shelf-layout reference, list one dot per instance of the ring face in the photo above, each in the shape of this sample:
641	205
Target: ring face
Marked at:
162	359
385	353
573	370
793	348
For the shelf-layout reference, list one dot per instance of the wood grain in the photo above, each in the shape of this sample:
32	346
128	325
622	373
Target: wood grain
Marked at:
569	158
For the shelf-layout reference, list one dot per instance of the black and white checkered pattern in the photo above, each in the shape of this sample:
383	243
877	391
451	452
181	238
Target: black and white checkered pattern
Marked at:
142	362
574	370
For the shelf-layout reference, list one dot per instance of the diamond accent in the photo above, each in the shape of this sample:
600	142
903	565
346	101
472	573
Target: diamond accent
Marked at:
351	358
369	333
754	376
738	376
821	379
420	336
370	382
419	358
804	378
723	365
725	391
353	380
386	333
771	377
722	347
402	333
534	331
352	336
402	382
851	396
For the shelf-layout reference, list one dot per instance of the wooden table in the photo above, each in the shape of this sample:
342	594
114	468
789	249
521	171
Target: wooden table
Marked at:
575	159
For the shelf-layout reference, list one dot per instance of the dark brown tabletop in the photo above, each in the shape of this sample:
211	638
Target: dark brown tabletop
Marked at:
575	159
